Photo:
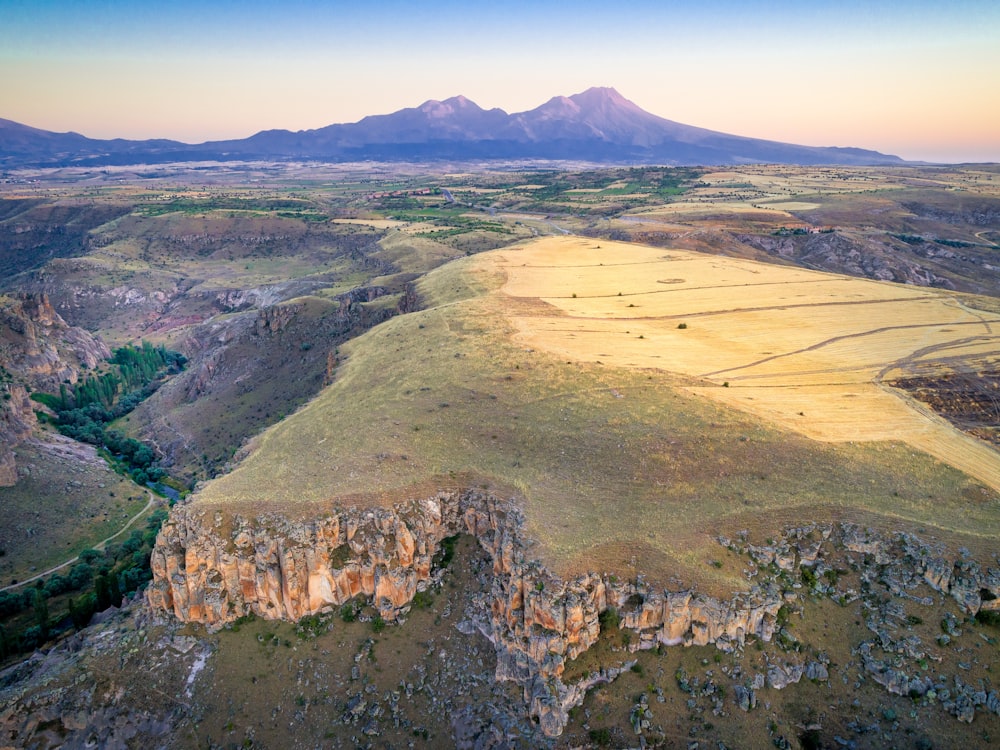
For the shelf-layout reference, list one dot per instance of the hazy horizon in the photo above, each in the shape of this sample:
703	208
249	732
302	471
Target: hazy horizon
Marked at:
907	78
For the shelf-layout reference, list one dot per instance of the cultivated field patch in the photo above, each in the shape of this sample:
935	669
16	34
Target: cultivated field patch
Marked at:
804	349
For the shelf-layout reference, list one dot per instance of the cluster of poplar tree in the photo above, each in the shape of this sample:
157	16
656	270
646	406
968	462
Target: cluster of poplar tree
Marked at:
84	410
135	368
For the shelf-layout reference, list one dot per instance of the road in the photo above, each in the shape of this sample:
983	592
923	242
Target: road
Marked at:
99	546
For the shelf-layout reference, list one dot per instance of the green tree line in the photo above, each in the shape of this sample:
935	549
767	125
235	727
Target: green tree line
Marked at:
98	581
83	411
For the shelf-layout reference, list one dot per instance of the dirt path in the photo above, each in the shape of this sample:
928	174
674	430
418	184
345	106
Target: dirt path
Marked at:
99	546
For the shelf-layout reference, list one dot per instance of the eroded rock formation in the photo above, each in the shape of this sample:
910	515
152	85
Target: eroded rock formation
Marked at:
211	572
38	351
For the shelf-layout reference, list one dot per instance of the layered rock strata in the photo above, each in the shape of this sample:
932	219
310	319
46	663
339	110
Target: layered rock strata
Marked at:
211	572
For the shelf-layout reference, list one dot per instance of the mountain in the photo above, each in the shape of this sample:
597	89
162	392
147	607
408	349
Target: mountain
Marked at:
597	125
23	145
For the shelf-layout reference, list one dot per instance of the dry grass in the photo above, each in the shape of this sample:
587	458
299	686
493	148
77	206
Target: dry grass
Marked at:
800	348
621	463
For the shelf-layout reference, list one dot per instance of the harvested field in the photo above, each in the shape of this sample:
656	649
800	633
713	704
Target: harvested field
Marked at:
806	350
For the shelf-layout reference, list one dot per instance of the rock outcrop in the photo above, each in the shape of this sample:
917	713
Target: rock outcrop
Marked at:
16	422
209	571
38	351
39	347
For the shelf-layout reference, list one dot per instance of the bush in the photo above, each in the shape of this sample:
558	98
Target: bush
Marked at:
80	575
11	602
423	599
609	618
32	638
57	584
80	612
446	552
988	617
600	737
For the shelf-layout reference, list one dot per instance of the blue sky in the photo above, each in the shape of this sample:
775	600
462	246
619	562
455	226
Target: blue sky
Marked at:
918	78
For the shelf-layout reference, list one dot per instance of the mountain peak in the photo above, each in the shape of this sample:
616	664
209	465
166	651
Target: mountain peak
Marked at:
605	99
600	93
448	107
598	124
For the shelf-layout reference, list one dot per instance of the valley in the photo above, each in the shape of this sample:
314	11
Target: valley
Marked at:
516	457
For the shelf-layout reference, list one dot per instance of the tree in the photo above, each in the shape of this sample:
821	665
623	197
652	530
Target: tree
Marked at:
102	592
115	591
41	606
80	613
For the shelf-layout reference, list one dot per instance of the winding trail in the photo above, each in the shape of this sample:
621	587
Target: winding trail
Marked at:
99	546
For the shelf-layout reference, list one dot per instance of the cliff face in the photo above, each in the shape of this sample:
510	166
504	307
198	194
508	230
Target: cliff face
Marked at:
276	568
209	572
16	422
39	347
38	350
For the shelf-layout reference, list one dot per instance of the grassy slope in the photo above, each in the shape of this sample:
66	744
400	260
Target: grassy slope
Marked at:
613	466
66	500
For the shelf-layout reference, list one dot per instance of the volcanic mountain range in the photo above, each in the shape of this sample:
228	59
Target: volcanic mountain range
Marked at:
597	125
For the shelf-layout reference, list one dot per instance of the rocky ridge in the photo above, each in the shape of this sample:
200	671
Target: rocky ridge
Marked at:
274	567
891	570
278	568
38	351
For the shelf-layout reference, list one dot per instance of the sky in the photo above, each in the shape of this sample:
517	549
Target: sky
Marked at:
915	78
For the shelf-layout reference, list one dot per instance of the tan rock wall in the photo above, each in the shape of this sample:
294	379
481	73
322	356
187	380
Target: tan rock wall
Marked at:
277	568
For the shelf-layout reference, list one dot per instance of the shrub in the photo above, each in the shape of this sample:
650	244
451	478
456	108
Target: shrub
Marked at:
988	617
600	737
608	618
446	552
423	599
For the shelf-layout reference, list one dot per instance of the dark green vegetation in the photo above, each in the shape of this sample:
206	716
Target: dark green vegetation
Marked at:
31	615
637	186
84	412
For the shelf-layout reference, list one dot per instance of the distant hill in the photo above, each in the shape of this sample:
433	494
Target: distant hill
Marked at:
598	125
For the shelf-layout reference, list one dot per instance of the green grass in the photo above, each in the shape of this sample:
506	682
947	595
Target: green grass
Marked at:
61	507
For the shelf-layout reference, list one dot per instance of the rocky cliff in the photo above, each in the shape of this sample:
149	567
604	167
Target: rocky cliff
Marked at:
39	347
16	422
38	351
210	571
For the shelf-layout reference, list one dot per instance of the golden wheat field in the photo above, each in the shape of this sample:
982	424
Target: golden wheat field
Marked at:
807	350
